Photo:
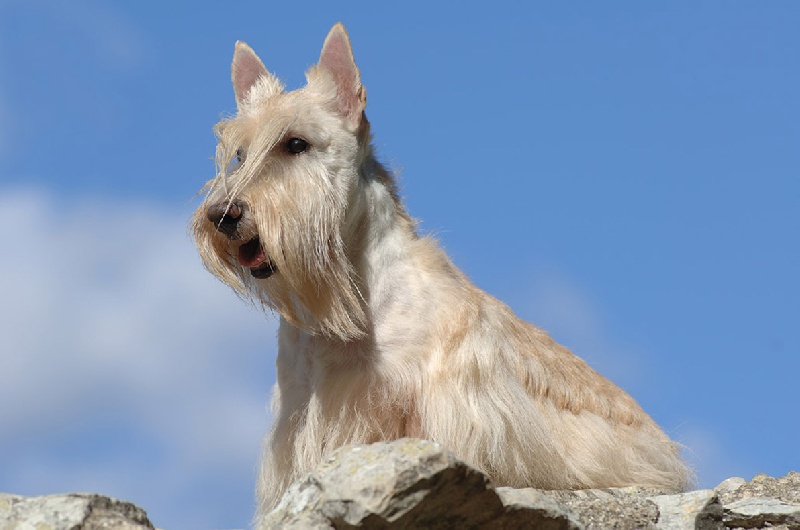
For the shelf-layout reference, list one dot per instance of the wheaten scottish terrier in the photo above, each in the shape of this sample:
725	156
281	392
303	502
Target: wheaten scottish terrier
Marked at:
381	336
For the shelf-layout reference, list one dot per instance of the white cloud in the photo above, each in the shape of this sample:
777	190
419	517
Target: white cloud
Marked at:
558	305
708	455
110	322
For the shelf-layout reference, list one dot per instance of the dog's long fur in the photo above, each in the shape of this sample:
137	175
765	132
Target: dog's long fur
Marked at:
381	336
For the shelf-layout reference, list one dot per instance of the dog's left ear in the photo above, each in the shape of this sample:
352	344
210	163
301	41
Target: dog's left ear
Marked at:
337	59
246	71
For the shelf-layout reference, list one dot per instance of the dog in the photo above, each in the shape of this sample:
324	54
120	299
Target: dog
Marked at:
381	336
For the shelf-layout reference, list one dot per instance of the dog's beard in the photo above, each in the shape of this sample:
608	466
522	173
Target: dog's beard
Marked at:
291	257
297	263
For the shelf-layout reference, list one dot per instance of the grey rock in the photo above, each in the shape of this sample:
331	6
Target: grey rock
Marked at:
757	512
416	484
764	502
410	483
530	508
699	510
786	489
729	485
84	511
404	484
613	508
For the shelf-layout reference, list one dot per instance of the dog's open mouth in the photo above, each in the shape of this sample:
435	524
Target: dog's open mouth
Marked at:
252	256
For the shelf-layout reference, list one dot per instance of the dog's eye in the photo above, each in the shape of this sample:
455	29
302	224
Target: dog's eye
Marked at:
296	145
235	162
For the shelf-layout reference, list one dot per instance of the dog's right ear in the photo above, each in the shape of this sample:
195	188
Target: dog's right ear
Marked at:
246	71
337	60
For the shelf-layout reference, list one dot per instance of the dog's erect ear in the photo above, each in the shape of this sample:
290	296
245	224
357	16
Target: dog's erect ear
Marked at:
246	69
337	59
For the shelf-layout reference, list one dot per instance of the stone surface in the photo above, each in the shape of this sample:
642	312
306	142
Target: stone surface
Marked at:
699	510
764	502
729	485
416	484
757	512
405	484
409	484
786	488
74	511
619	508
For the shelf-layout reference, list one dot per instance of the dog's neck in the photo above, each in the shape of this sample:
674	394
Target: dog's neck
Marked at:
395	268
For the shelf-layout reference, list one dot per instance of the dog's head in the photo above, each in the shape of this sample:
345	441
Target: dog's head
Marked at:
274	222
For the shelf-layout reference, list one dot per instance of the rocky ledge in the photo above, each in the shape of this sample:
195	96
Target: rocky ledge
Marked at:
72	511
413	484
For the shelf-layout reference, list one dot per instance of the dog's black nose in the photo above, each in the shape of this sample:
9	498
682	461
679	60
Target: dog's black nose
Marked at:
225	215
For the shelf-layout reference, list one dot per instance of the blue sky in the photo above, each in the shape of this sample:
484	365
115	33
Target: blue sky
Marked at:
625	175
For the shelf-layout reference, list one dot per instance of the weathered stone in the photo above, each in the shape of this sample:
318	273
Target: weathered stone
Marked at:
698	510
764	502
786	489
405	484
84	511
409	484
402	484
729	485
612	508
524	506
416	484
757	512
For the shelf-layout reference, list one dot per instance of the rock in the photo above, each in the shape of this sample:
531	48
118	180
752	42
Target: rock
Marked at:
84	511
699	510
619	508
786	488
756	512
405	484
416	484
729	485
409	484
520	504
764	502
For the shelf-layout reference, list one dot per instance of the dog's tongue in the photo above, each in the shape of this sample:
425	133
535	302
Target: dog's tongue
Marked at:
251	254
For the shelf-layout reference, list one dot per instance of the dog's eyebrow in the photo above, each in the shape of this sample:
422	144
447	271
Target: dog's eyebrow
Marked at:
258	151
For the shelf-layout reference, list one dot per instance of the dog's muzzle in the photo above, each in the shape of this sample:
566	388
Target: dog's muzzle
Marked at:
228	218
